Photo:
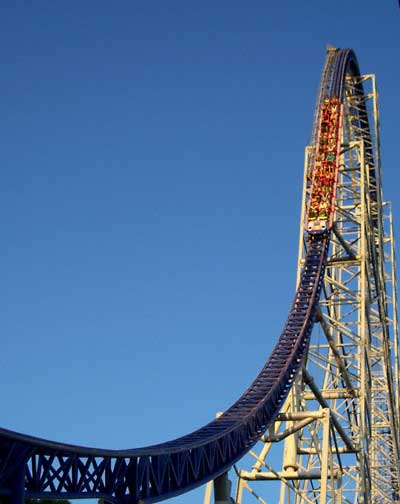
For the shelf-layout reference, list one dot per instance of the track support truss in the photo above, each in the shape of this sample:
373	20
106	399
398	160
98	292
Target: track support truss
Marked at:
337	437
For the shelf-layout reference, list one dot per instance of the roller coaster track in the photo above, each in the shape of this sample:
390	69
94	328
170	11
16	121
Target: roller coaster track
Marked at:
38	468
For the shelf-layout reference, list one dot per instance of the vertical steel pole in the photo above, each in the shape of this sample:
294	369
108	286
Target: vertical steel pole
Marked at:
222	489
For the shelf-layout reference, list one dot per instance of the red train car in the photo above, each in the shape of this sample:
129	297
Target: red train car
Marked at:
321	203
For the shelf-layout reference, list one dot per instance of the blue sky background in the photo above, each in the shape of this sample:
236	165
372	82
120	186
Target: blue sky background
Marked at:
151	171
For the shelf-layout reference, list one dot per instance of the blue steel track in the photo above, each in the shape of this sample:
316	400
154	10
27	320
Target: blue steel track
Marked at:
37	468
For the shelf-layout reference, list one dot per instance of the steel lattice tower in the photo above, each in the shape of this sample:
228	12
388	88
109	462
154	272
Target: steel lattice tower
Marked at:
337	436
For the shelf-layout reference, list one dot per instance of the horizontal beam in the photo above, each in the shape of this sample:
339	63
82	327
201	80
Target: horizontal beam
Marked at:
311	474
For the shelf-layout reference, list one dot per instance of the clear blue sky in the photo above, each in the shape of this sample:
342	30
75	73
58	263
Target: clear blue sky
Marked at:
151	169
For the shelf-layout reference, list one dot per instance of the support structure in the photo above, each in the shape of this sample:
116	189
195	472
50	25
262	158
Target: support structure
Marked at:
337	437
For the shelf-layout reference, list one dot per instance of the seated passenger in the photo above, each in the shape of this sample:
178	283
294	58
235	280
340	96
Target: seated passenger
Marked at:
324	181
312	214
323	211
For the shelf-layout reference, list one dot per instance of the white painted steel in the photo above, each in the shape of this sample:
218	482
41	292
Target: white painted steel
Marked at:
354	354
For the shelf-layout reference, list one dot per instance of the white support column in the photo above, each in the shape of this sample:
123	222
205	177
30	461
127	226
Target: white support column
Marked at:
337	438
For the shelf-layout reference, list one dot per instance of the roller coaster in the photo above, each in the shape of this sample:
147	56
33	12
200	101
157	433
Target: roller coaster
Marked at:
324	409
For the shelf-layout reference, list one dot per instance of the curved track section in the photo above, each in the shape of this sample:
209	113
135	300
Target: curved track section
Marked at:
39	468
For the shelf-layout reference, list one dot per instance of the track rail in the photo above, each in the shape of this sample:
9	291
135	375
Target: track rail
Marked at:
36	467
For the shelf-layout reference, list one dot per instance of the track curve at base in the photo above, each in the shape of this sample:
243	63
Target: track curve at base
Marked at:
39	468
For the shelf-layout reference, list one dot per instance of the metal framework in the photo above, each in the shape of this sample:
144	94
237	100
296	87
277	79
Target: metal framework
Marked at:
337	437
